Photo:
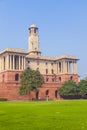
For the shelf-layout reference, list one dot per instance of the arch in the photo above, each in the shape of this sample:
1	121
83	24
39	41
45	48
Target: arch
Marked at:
71	77
37	95
47	92
56	93
16	77
59	79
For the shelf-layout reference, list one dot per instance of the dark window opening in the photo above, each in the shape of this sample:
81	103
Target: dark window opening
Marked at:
35	30
46	71
59	66
16	77
52	64
28	61
53	79
47	79
71	78
28	68
56	94
52	71
59	79
47	92
37	95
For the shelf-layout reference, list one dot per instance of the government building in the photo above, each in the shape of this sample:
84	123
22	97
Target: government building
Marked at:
55	70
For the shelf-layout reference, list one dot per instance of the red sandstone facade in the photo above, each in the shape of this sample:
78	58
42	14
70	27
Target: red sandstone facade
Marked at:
9	87
55	70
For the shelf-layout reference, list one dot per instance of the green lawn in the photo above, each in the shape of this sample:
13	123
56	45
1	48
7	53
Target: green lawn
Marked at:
44	115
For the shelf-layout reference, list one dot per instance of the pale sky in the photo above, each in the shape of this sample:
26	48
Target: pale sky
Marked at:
62	27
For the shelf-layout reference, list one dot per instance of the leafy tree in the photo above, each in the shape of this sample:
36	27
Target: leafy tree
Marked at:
30	81
69	89
83	88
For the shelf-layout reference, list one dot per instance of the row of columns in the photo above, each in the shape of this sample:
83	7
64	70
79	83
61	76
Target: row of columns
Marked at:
12	62
67	67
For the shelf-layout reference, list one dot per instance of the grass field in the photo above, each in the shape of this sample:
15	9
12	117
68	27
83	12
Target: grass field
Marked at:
44	115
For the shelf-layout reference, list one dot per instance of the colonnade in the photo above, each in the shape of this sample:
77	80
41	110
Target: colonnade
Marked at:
12	62
67	66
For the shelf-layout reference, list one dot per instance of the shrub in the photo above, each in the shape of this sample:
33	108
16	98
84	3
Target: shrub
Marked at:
3	99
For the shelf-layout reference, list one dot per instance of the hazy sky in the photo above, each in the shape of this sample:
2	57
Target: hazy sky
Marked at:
62	27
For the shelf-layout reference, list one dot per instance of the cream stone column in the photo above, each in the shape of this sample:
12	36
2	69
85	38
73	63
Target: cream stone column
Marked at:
75	66
10	61
22	62
3	62
64	66
13	62
61	66
19	62
68	67
7	62
58	67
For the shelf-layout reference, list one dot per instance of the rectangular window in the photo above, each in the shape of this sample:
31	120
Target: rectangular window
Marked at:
46	71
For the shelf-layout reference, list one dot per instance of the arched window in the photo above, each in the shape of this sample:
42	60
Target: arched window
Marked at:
37	95
47	92
59	79
56	94
71	78
16	77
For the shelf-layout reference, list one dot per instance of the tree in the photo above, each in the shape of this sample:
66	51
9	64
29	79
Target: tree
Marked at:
83	88
69	89
30	81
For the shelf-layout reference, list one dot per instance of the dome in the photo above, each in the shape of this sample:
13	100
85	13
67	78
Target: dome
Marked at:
33	26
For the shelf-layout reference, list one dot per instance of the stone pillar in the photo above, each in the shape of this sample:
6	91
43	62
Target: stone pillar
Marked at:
22	62
13	62
68	67
64	67
7	62
10	61
19	62
61	66
58	67
75	66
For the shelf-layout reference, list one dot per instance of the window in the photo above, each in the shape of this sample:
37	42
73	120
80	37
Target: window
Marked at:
52	64
52	71
35	30
47	79
59	79
56	94
16	77
28	68
47	92
46	63
71	78
53	79
46	71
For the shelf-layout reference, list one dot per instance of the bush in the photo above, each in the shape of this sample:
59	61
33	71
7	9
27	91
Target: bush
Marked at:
3	99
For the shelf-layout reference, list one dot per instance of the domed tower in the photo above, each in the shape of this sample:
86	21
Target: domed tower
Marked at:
33	40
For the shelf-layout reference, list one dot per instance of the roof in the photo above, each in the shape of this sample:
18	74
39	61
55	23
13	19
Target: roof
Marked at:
14	50
52	58
33	26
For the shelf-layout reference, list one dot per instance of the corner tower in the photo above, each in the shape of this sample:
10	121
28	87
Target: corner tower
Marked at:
33	41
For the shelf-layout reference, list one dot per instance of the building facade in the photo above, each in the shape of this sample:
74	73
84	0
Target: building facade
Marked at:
55	70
